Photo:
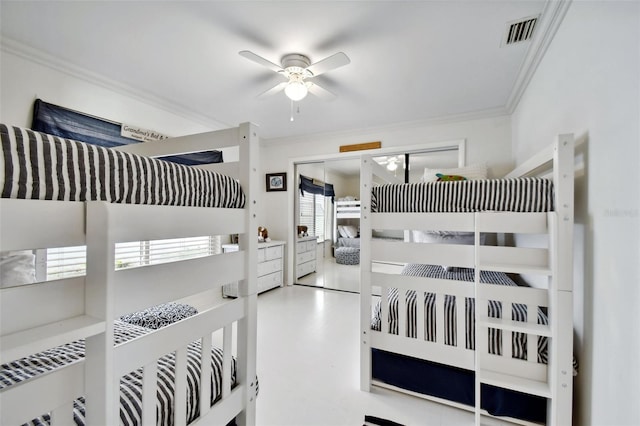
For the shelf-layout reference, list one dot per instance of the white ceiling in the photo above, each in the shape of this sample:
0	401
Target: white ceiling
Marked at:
410	61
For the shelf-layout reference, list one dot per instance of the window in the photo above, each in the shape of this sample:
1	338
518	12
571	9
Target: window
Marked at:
67	262
312	214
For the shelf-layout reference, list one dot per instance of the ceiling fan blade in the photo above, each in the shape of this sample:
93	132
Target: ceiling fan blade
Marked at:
260	60
327	64
275	89
320	91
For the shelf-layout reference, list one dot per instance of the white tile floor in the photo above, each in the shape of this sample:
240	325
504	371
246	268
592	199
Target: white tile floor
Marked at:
308	366
333	275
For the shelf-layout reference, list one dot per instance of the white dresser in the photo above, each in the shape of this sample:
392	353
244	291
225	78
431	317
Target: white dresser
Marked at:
270	267
306	248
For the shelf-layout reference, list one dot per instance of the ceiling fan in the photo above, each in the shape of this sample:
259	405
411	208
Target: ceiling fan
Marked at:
298	70
391	162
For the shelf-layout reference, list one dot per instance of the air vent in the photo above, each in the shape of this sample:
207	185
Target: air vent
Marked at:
520	30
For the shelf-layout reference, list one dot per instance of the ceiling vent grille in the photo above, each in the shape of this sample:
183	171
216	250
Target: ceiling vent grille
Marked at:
520	30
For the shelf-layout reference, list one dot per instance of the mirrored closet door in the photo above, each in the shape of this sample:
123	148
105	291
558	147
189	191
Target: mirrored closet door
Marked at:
327	250
324	190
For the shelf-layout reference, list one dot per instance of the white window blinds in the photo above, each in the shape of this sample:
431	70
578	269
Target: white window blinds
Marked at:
67	262
312	214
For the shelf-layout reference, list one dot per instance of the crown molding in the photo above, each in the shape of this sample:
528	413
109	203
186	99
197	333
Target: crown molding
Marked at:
358	133
550	19
8	45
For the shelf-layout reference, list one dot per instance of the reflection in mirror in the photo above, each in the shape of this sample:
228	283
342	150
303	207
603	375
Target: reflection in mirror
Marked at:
311	206
410	167
17	268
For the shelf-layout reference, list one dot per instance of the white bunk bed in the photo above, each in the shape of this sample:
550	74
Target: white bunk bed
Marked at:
85	310
538	361
346	238
345	212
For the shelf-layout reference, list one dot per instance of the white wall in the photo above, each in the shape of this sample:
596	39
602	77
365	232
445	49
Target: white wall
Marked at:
589	84
23	80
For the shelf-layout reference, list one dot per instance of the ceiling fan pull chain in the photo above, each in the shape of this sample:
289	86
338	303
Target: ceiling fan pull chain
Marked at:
291	111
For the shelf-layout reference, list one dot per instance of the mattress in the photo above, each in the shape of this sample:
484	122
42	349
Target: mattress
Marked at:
519	312
35	165
130	384
513	195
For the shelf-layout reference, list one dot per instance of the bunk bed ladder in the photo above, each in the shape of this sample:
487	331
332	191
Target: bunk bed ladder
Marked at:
556	384
501	370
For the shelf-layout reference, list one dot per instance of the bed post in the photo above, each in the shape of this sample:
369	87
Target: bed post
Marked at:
247	288
366	180
102	390
559	411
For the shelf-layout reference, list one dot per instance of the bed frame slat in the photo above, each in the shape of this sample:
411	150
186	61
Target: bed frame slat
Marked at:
62	415
139	288
180	397
68	382
144	222
185	144
384	309
420	315
205	375
226	360
149	390
516	223
461	222
56	301
517	260
37	339
437	254
25	225
432	351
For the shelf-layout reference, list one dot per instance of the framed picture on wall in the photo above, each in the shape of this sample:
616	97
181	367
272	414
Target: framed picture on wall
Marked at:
276	182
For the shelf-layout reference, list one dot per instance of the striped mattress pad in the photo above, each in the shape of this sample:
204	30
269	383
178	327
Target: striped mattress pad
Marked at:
130	384
519	312
38	166
508	195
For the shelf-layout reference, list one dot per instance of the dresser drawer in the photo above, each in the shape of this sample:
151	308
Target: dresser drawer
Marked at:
269	281
306	256
305	268
311	245
274	252
269	266
262	255
301	247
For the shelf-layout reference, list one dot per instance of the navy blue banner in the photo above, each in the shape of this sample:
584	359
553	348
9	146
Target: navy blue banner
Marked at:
59	121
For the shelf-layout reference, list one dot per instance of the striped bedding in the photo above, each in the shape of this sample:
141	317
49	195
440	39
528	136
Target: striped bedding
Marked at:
519	312
35	165
130	384
513	195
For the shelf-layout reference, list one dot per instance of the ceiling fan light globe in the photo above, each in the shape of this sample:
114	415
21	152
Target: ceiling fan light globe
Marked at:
296	90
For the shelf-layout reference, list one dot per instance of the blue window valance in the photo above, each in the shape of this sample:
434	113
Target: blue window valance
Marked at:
66	123
307	185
